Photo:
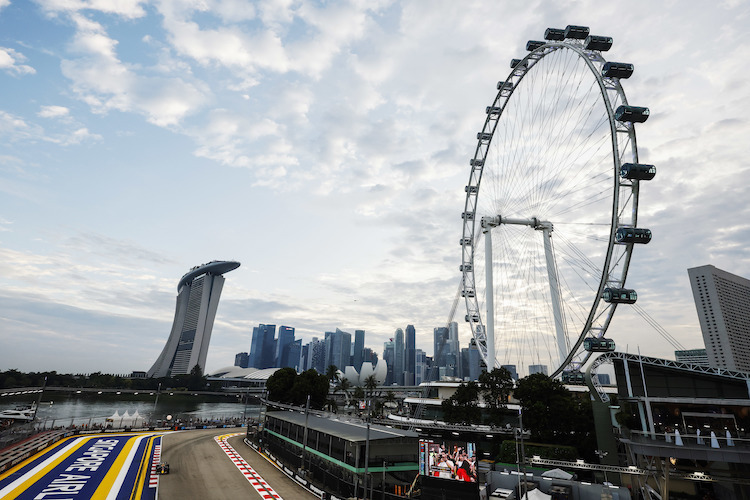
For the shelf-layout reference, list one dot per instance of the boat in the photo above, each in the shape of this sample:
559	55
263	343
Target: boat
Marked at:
24	413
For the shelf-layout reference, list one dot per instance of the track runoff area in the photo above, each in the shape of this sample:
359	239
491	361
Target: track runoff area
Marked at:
101	466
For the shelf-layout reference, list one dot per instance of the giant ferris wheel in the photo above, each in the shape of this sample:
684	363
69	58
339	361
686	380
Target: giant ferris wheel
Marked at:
551	212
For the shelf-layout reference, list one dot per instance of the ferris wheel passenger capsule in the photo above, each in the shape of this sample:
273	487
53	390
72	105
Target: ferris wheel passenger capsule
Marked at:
555	34
632	235
617	70
634	114
576	32
518	62
619	296
474	318
594	344
637	171
600	43
533	45
573	377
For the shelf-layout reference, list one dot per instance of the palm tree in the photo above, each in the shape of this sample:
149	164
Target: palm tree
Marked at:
371	383
332	373
345	386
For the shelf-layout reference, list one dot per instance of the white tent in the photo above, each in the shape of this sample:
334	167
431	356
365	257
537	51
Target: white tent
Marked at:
557	474
536	495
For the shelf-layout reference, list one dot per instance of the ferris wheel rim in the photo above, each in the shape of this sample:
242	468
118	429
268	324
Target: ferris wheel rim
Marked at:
594	61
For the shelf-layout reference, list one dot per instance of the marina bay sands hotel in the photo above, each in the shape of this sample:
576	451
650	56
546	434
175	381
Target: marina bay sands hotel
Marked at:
198	295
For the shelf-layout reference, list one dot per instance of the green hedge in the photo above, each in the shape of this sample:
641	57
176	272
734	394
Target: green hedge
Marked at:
548	451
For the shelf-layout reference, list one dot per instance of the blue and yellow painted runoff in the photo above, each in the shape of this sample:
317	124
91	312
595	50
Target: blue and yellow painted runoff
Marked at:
98	466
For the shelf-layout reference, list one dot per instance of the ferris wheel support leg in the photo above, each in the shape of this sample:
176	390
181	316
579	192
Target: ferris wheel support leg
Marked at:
490	287
554	290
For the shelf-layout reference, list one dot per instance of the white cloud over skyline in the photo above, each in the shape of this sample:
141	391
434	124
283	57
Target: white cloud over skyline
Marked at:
325	146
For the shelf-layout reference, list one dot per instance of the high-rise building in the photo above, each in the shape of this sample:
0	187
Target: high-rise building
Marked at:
198	295
359	347
474	360
242	359
692	356
294	354
420	366
538	369
283	346
263	347
388	357
722	300
304	357
455	348
409	355
398	357
512	370
441	350
338	349
368	355
317	355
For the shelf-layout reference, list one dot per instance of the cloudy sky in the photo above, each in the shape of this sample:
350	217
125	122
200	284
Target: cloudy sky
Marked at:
325	146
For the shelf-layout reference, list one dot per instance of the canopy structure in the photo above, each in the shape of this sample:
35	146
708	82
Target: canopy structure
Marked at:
557	474
537	495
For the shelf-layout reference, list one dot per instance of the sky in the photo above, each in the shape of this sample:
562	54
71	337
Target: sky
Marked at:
325	145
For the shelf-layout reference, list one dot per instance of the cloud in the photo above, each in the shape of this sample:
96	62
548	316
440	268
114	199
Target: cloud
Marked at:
53	111
10	62
129	9
105	83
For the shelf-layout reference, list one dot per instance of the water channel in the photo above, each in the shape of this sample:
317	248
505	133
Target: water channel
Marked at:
66	409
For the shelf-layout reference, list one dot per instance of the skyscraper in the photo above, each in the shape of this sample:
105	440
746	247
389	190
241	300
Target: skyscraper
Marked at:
242	359
474	368
263	347
420	367
338	349
409	355
398	357
388	357
722	301
283	346
512	370
538	369
441	350
198	295
455	348
359	348
317	355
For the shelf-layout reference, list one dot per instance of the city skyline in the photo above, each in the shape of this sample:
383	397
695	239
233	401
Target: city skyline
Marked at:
325	147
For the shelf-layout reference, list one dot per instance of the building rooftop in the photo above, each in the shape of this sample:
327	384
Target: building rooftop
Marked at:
213	267
350	431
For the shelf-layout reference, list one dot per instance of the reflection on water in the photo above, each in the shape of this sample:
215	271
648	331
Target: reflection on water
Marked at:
66	409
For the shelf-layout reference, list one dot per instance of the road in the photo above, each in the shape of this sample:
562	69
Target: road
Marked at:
199	468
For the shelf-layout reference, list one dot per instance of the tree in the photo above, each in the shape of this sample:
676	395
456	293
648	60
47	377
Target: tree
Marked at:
332	373
344	385
549	409
313	383
495	387
463	407
280	384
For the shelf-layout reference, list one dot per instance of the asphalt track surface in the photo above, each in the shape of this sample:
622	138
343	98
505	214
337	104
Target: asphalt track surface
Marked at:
199	468
96	466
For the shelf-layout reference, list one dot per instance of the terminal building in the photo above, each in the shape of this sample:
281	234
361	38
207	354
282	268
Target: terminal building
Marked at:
198	295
